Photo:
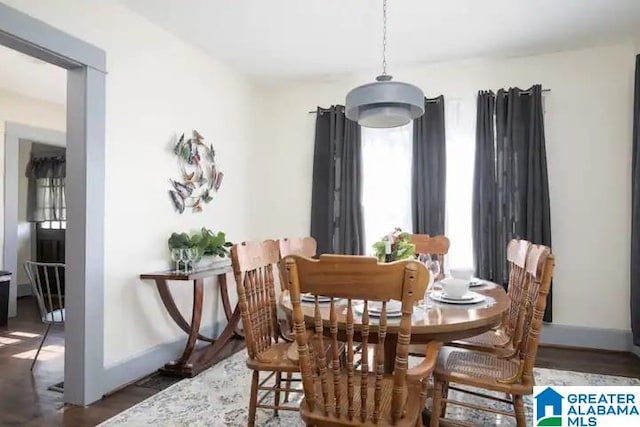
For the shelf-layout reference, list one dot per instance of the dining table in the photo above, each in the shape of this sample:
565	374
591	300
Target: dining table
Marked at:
435	321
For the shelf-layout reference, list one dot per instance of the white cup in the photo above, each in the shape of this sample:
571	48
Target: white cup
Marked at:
455	288
462	273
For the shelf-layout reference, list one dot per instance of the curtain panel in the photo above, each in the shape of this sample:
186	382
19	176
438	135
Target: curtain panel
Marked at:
521	201
46	199
483	203
429	169
336	209
635	212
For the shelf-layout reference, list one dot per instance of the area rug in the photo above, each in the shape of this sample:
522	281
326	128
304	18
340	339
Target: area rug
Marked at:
220	397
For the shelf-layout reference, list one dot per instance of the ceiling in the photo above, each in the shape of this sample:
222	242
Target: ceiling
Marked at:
295	38
31	77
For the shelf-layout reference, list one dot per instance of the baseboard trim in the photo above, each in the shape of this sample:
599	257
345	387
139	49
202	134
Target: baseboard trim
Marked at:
24	289
139	366
579	336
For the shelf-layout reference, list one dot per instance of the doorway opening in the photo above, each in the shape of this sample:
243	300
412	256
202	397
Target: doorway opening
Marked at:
85	65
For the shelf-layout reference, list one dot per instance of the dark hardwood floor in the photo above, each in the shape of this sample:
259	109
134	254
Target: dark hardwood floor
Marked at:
26	401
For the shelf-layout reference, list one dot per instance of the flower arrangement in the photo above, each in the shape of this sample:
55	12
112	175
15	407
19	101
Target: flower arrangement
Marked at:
401	246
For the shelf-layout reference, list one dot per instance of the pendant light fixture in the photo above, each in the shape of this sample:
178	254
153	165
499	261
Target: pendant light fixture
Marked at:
384	103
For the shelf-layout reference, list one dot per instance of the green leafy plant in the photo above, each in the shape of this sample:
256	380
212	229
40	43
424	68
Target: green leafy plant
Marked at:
401	246
206	241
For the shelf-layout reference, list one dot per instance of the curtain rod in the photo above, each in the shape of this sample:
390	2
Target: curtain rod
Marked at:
429	101
527	92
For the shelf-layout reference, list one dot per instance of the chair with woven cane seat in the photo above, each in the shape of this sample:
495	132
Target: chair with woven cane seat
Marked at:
434	245
336	395
505	339
253	269
46	283
513	376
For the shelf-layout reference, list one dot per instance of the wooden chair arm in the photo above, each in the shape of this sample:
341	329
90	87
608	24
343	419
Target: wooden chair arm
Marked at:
428	364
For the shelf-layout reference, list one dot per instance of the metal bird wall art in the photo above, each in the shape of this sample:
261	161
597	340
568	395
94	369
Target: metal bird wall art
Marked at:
200	178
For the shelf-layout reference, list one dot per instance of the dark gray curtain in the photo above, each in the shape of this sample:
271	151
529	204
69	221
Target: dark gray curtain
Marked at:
47	173
484	190
336	210
429	169
635	213
521	173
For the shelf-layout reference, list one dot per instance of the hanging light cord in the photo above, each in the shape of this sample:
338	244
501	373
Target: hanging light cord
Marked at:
384	37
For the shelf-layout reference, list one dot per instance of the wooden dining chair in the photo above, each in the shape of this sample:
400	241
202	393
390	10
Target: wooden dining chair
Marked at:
46	285
434	245
513	376
253	269
338	395
505	339
305	246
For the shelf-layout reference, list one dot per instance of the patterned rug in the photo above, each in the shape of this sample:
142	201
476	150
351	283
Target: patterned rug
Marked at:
220	397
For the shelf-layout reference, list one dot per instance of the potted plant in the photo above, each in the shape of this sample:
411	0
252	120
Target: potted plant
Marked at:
401	246
212	247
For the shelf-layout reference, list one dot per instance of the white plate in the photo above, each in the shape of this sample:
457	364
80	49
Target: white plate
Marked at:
374	312
475	282
466	297
312	298
438	296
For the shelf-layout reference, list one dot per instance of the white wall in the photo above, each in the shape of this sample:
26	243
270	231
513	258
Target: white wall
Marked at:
157	85
588	131
28	111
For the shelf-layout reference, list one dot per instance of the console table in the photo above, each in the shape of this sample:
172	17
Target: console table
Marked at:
193	361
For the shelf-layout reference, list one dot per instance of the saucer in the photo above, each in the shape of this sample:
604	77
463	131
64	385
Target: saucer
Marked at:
440	297
466	297
312	298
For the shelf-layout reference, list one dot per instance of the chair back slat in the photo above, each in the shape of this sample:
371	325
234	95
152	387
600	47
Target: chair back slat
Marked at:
46	285
305	246
321	358
350	363
517	251
345	279
434	245
410	282
539	272
335	362
364	361
253	268
379	361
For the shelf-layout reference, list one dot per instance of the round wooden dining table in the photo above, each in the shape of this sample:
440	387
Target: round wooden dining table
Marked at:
441	322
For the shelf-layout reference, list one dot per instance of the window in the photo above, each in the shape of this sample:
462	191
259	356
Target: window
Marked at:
386	181
50	199
460	131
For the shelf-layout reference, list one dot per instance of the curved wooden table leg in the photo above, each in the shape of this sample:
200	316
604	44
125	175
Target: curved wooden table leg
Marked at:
207	356
172	309
226	304
196	317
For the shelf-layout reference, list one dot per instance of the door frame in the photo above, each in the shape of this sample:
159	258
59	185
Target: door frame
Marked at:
14	135
84	381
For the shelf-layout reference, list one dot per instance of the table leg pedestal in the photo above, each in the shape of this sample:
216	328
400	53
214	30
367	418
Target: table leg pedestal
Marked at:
195	360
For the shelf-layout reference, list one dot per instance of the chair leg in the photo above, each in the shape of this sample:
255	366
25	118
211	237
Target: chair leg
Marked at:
287	385
436	406
253	400
445	395
40	346
276	398
518	405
